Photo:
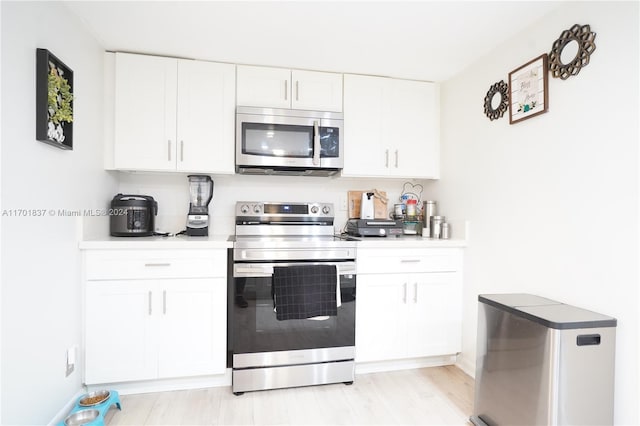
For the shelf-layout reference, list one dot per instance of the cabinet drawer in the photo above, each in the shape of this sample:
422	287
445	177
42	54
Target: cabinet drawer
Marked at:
150	264
377	261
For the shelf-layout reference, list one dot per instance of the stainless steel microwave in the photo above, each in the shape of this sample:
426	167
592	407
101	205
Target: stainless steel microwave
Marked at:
288	142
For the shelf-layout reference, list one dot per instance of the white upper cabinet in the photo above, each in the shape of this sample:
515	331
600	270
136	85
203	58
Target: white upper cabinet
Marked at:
206	117
284	88
173	114
391	127
317	91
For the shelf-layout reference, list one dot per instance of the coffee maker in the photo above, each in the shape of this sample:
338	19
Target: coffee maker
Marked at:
200	192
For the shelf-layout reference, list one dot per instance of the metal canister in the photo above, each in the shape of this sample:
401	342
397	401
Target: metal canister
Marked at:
436	226
445	233
429	208
398	211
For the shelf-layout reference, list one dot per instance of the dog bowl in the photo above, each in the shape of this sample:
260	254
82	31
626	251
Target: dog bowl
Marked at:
94	398
81	417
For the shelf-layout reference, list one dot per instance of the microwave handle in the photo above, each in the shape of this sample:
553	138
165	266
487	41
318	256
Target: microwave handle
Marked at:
316	144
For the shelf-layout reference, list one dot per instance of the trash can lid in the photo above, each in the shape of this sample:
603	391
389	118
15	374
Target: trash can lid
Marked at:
547	312
566	317
515	299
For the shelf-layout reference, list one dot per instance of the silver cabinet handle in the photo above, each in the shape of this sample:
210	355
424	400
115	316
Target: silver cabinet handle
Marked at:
181	150
169	149
404	298
409	260
286	89
386	161
316	144
156	264
396	158
164	302
297	90
149	302
415	292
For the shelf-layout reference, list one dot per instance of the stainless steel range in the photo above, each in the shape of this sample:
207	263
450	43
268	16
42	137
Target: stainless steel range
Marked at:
293	304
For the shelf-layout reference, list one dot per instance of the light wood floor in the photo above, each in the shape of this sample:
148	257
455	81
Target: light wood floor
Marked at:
427	396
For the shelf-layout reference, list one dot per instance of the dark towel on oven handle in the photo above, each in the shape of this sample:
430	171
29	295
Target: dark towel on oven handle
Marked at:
305	291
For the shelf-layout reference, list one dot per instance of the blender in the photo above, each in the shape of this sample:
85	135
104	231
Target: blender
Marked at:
201	192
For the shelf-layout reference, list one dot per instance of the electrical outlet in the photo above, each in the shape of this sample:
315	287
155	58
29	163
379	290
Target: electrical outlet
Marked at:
343	203
71	360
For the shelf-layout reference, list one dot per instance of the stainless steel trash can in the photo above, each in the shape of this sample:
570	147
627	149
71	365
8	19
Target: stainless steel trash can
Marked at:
542	362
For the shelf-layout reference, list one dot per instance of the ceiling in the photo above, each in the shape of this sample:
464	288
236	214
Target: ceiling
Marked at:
424	40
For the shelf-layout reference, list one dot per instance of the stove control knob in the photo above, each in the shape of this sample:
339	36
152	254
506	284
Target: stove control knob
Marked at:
314	209
256	208
326	210
244	209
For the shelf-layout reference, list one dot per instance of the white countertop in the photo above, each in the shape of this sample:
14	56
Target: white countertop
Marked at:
177	242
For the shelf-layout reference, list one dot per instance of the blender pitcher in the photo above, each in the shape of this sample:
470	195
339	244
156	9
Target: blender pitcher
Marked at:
200	192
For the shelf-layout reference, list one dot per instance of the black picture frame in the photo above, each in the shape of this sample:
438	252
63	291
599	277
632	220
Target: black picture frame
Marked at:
50	128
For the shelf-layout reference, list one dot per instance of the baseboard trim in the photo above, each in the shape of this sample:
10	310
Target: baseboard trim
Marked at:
467	365
64	412
404	364
165	385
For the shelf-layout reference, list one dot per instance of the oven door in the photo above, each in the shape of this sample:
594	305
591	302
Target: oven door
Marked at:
257	332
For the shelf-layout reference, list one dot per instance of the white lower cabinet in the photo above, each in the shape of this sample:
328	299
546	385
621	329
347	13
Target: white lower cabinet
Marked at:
144	329
409	306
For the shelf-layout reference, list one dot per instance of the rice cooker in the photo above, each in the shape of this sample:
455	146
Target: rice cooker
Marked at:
132	215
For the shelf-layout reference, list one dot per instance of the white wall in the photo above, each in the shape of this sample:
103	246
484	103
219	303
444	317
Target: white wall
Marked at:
553	200
41	290
171	192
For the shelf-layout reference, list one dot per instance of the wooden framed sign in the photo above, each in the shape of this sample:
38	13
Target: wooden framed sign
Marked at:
529	90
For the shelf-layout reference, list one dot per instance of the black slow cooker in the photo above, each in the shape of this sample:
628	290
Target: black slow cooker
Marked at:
132	215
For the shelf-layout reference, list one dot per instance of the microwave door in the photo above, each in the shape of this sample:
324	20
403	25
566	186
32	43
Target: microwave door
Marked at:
331	146
279	142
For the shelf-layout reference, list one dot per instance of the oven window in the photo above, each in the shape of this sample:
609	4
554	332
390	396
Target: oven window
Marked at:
277	140
256	329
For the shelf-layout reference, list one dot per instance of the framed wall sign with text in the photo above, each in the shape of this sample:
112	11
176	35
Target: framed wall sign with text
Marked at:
529	86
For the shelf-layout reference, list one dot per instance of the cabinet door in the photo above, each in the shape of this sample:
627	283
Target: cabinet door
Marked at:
381	317
411	128
435	314
364	154
391	127
263	87
192	336
205	117
145	112
119	332
316	91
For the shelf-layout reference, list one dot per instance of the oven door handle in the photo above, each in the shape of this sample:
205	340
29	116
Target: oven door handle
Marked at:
266	269
252	270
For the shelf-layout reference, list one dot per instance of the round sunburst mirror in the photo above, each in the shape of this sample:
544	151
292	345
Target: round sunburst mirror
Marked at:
571	51
497	100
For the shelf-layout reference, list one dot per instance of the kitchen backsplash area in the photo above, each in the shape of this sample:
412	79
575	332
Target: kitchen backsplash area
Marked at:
171	193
